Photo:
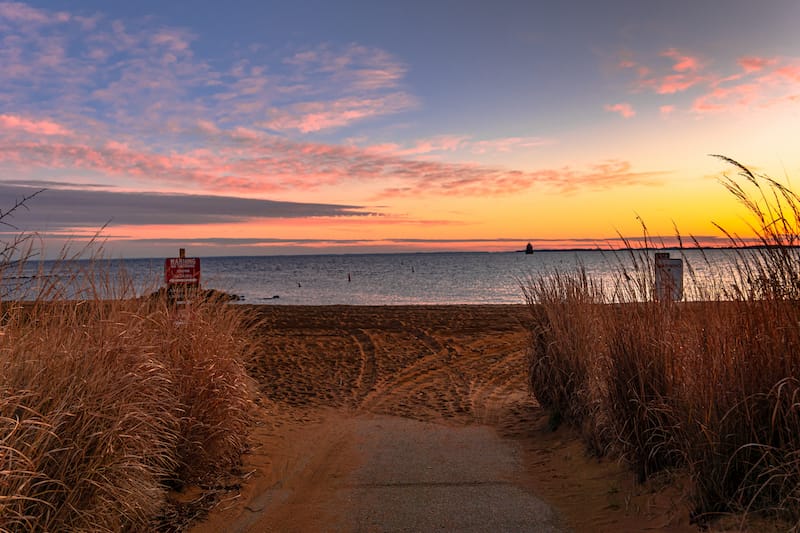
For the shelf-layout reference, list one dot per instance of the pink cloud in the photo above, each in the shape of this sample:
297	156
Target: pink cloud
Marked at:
157	83
315	116
38	127
755	64
453	143
175	41
624	109
420	147
374	79
666	110
758	81
469	180
22	13
790	72
132	101
722	98
675	83
381	149
248	162
763	83
684	73
359	68
119	160
682	63
367	77
208	127
508	144
441	143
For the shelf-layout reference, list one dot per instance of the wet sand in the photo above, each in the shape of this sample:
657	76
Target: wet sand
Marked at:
416	418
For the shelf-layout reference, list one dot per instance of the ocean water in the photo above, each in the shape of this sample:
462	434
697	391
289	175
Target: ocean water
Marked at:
403	278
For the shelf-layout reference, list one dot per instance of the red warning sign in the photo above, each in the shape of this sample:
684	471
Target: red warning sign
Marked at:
182	270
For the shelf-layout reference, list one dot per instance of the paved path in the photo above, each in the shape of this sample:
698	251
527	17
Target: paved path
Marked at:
425	477
391	474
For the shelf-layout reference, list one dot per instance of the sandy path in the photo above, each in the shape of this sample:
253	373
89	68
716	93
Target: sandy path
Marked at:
416	418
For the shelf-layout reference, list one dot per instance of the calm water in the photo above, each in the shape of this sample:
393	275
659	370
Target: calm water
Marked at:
422	278
384	279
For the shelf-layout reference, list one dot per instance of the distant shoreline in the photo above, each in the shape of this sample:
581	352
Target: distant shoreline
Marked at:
449	252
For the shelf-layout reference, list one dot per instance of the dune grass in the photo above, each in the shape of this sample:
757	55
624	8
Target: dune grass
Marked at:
710	388
108	403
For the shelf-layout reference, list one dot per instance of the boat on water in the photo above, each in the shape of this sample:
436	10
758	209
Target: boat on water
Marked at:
529	249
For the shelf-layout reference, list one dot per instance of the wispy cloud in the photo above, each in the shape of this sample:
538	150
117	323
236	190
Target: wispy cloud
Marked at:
753	81
472	180
789	72
722	98
37	127
246	161
354	67
685	71
94	100
755	64
466	143
508	144
682	62
421	147
135	78
310	117
624	109
23	13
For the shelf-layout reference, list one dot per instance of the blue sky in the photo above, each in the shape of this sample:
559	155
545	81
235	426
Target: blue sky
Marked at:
375	126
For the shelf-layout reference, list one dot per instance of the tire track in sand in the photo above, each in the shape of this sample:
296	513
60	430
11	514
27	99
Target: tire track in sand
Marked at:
367	373
430	385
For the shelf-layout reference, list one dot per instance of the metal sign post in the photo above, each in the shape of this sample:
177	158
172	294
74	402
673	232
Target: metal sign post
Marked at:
182	276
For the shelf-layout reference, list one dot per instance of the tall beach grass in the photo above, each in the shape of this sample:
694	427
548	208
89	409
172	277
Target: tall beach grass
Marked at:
710	387
108	399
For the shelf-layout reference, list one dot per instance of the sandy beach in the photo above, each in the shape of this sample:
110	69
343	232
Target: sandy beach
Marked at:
417	418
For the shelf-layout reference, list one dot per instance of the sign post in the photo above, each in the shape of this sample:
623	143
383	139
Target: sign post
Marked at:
669	278
182	276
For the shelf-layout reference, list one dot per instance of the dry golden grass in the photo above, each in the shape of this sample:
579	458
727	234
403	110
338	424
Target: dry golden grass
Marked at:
711	388
567	315
106	404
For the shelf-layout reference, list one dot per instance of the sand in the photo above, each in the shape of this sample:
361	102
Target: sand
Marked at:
418	418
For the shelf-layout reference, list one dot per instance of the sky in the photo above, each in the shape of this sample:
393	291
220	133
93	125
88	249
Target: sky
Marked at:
254	127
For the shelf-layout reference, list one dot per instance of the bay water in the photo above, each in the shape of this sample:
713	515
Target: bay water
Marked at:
400	278
414	278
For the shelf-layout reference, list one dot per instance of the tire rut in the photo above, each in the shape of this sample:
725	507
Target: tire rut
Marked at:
368	373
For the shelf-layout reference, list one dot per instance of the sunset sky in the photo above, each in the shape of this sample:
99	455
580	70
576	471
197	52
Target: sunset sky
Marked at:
259	127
